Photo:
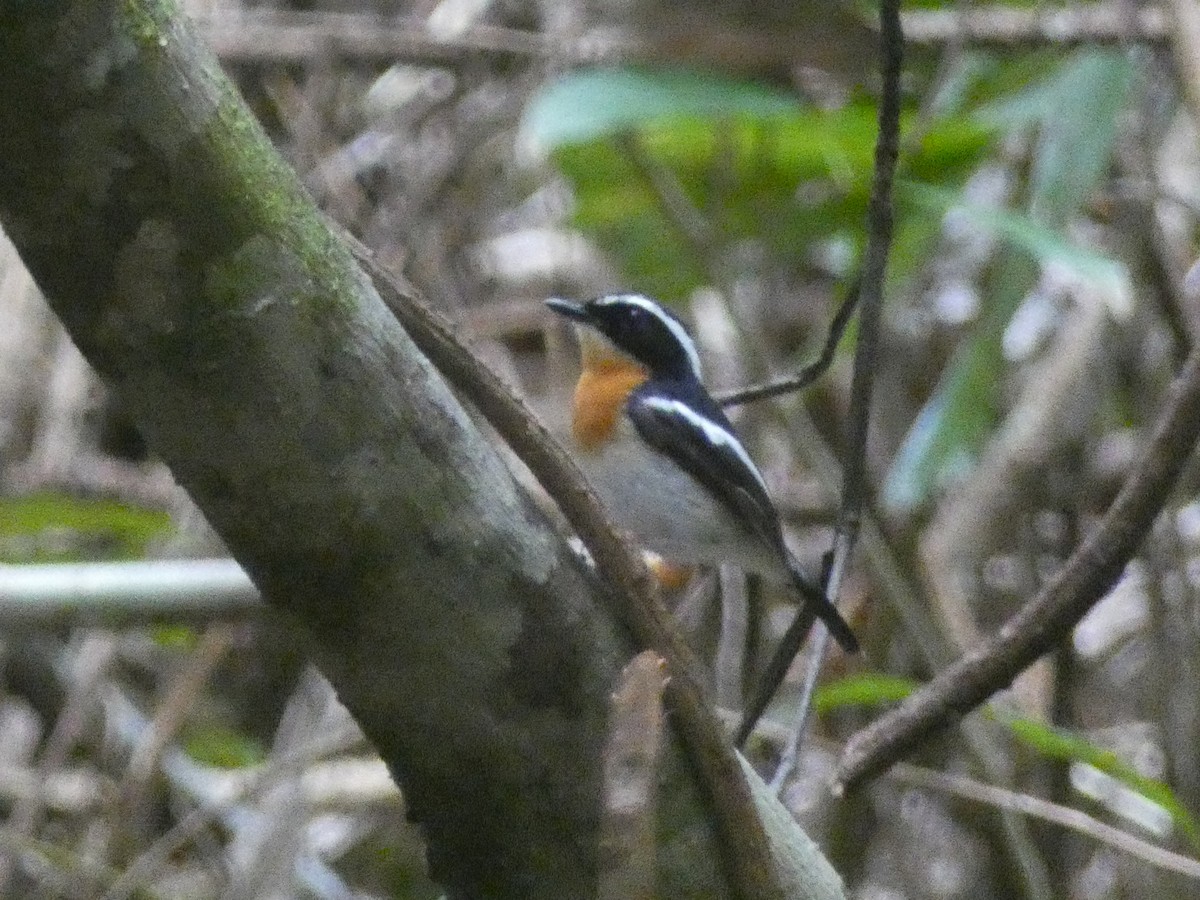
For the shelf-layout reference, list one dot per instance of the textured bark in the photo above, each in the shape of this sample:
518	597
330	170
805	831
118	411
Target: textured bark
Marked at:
189	266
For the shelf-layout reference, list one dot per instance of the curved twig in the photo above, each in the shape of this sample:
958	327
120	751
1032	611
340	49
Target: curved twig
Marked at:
1036	808
810	373
633	599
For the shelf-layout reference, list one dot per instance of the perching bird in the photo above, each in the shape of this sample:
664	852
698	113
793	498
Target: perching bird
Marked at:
662	454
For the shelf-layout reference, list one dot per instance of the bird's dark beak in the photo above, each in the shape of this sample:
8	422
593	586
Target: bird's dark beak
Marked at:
574	311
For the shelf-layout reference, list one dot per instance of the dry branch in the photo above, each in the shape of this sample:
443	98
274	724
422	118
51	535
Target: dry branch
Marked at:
1048	619
286	37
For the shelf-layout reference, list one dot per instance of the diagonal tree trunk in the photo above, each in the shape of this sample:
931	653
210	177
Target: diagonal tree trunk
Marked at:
190	267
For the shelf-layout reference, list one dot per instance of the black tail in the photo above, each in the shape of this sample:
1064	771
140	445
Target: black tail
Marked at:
818	603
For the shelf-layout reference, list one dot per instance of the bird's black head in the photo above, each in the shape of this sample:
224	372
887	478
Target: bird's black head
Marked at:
641	329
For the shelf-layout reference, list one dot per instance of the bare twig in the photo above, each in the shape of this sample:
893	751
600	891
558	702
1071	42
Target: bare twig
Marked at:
116	593
89	665
781	660
634	602
1085	578
978	792
280	37
283	37
217	801
810	373
182	693
999	25
992	795
879	238
812	672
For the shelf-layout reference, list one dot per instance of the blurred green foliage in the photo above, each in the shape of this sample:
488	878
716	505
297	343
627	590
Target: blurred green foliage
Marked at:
214	744
57	528
1072	146
671	169
1048	741
1060	744
752	162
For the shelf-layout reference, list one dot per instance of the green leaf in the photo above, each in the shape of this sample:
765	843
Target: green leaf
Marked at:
942	442
1077	134
1057	743
55	527
866	689
223	747
1075	112
751	163
1109	278
588	104
175	637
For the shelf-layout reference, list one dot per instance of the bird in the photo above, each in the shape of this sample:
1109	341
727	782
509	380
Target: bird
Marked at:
664	458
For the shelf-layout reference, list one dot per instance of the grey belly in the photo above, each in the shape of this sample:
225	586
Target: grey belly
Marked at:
667	512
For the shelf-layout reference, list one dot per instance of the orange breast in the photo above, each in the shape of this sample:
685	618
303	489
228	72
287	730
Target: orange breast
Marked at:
599	398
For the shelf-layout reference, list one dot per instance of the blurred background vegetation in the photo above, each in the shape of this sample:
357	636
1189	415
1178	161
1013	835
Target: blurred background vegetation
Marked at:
717	156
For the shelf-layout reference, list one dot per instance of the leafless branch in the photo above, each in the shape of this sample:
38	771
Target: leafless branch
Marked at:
282	37
1076	820
1047	620
870	293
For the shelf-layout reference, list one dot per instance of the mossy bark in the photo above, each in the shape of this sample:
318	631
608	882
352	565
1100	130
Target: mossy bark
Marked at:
191	268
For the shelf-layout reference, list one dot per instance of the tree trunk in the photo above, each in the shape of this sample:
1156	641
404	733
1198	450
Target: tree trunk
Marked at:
190	267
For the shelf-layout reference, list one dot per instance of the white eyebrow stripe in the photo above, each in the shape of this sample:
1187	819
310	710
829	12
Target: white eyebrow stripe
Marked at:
681	335
713	432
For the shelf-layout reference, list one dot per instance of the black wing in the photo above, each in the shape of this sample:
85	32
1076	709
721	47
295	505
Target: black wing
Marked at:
680	420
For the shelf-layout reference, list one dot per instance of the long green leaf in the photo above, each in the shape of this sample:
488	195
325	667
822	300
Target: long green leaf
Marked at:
588	104
753	163
1057	743
873	689
1075	113
864	689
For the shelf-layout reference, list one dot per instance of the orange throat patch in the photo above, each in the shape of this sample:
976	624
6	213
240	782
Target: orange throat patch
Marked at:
600	396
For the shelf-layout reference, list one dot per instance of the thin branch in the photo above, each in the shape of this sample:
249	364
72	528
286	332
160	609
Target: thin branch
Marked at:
1047	620
217	801
632	597
813	370
127	593
697	234
879	239
781	660
27	814
1006	26
1074	819
993	795
265	37
183	692
812	673
286	37
870	294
